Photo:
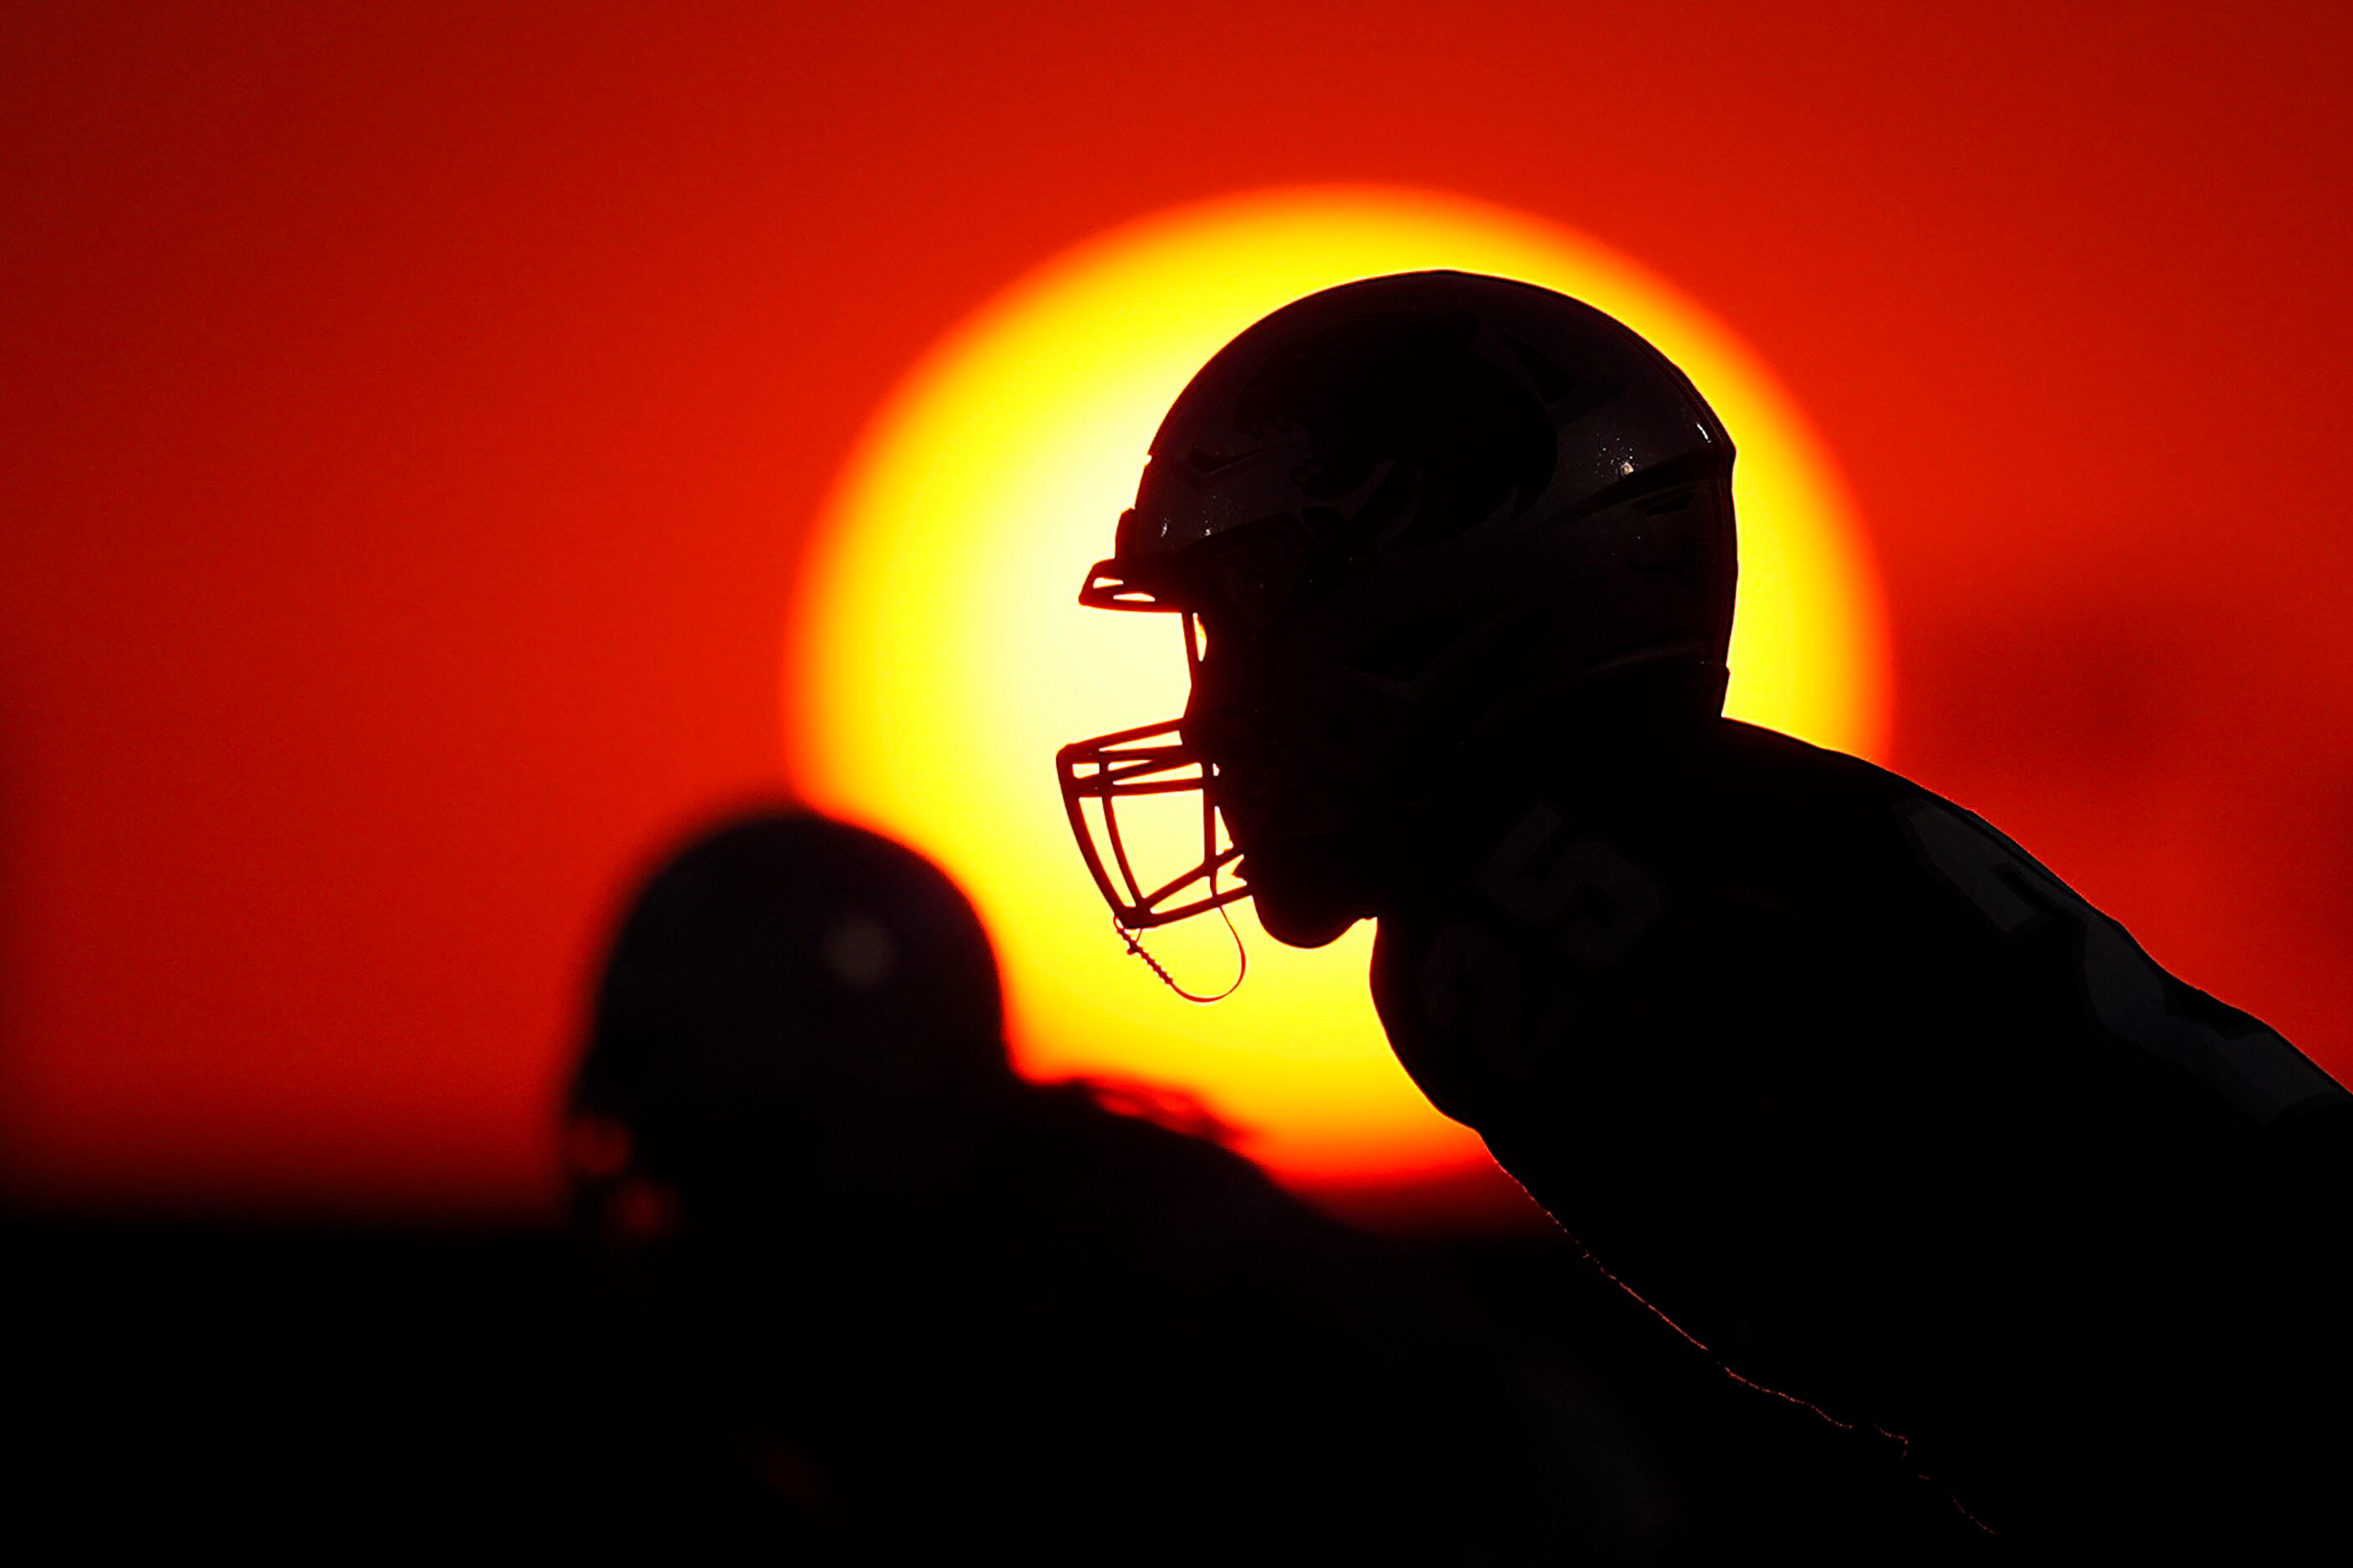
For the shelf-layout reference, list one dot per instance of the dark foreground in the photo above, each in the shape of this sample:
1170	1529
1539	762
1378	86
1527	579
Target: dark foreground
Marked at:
303	1390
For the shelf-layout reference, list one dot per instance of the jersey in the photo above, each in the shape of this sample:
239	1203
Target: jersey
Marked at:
1858	1093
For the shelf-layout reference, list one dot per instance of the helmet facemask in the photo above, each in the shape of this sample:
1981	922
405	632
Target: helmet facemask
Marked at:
1109	780
1103	777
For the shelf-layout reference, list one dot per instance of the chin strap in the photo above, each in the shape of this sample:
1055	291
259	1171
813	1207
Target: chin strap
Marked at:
1242	954
1241	957
1208	859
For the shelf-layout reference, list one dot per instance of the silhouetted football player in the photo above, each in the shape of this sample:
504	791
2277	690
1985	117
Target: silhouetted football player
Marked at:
1832	1073
916	1306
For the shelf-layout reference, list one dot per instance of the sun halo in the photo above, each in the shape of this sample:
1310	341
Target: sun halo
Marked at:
937	657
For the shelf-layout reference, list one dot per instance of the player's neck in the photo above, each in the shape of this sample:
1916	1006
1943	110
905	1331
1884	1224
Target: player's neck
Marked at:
1593	744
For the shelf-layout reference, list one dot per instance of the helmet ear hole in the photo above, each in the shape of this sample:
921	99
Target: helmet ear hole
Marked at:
1402	654
1260	582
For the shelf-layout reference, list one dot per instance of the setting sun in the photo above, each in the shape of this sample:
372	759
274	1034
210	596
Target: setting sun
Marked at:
936	655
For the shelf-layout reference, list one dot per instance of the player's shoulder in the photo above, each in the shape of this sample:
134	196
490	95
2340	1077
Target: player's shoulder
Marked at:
1866	827
1802	779
1951	897
1737	806
1889	862
1775	768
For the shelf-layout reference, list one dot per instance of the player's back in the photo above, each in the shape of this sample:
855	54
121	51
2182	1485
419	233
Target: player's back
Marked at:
1866	1098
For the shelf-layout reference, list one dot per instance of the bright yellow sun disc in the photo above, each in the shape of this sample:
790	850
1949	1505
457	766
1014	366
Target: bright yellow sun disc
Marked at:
937	657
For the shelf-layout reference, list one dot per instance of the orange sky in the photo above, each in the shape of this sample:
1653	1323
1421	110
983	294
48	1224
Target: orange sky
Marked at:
409	420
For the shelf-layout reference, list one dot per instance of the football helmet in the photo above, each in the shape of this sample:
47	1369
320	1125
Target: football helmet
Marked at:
777	969
1401	522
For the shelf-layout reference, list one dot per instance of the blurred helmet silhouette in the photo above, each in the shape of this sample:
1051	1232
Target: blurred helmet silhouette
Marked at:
1403	524
784	970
